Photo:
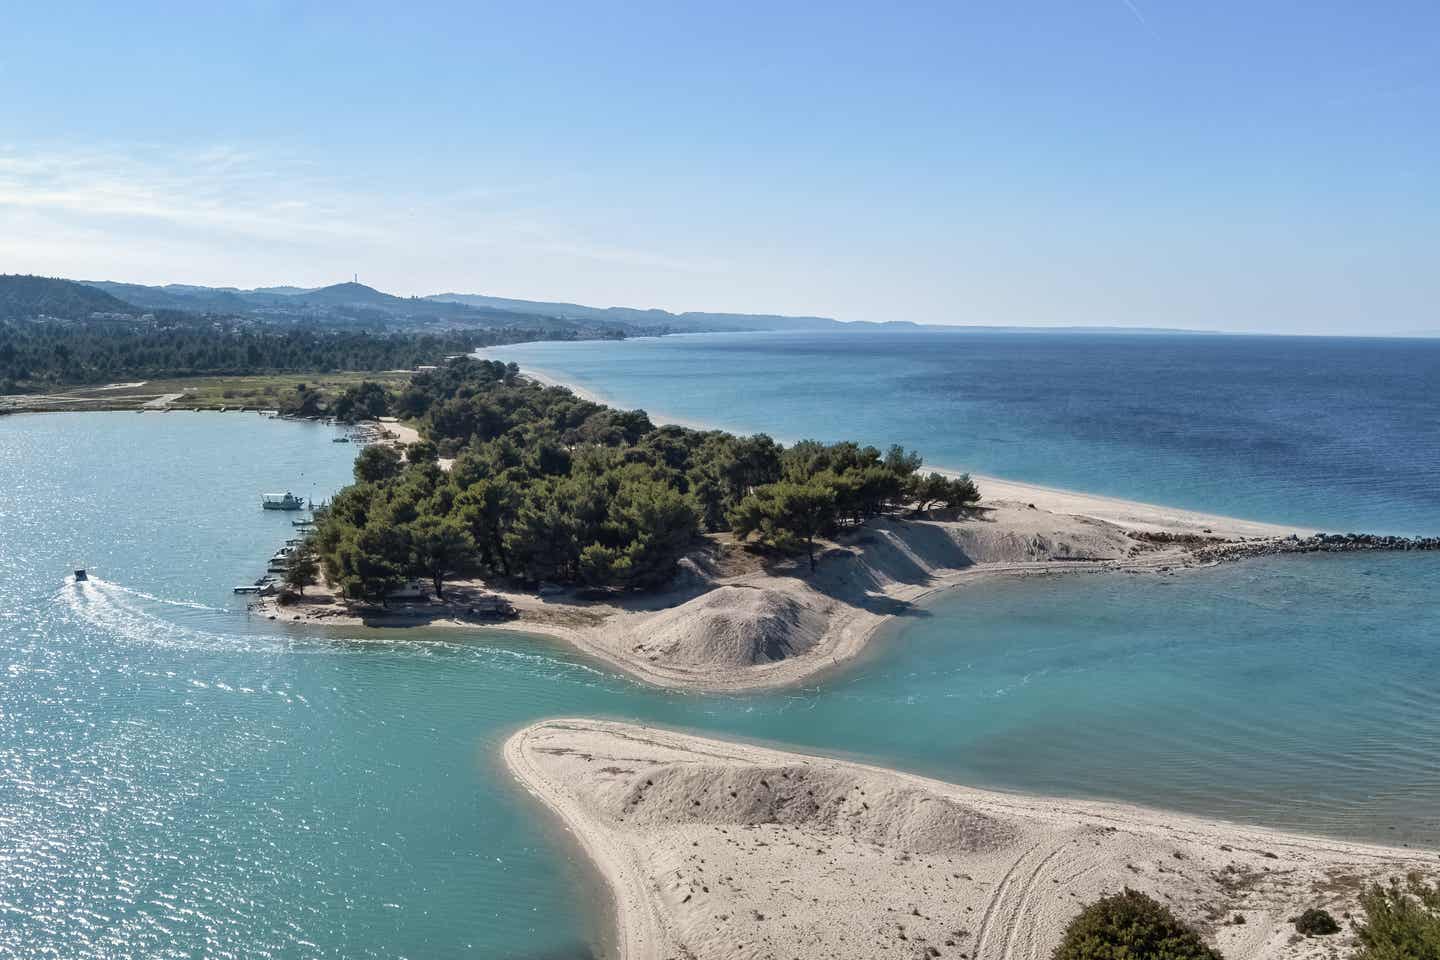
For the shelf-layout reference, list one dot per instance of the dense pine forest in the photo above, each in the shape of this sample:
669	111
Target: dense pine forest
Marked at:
36	355
546	486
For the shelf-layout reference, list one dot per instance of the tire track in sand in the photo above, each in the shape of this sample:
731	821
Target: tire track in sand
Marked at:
1008	905
982	940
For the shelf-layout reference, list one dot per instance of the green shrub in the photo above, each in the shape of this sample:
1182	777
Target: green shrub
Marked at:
1316	923
1131	926
1402	921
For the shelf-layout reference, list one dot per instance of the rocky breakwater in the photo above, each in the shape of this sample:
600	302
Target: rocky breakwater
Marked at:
1317	543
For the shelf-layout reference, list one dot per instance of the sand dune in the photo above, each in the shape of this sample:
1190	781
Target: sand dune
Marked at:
734	625
778	625
724	850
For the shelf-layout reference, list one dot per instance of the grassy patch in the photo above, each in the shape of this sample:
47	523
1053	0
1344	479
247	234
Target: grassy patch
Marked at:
205	393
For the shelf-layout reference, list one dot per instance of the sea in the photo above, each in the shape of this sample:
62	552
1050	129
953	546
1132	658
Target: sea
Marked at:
1340	434
180	777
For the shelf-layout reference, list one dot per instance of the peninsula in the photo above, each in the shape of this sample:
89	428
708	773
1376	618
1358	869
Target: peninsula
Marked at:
699	560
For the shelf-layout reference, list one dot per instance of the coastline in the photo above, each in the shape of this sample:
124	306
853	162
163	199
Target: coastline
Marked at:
1133	514
734	621
707	844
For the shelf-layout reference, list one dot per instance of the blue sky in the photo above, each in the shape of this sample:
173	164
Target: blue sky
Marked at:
1223	165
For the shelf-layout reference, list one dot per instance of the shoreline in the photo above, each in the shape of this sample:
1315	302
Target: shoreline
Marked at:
736	622
724	629
698	839
1133	513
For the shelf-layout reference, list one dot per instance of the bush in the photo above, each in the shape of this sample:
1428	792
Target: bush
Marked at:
1316	923
1131	926
1402	922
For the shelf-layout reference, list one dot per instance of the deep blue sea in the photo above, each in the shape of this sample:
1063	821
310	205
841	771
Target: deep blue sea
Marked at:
181	779
1334	433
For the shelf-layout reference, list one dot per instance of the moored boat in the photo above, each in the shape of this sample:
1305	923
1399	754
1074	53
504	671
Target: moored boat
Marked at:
282	501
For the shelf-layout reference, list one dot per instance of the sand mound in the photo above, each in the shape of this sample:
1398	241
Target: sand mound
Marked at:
824	801
731	626
1002	533
763	622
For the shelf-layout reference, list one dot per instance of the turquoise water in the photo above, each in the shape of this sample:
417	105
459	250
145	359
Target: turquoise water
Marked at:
179	779
1336	433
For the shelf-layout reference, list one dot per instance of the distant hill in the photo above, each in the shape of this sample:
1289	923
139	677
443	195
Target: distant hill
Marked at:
690	321
283	291
355	305
349	294
360	305
26	297
174	297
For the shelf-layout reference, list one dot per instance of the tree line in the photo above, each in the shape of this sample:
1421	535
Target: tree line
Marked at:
546	486
39	355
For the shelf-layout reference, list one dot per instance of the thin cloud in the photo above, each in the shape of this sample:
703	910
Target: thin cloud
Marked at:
250	202
1134	8
215	189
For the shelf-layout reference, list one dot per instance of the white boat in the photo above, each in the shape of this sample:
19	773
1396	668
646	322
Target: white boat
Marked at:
282	501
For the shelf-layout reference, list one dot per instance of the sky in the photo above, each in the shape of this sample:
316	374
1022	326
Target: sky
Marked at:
1255	166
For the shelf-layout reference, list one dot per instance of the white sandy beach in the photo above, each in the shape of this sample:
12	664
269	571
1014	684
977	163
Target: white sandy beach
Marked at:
715	849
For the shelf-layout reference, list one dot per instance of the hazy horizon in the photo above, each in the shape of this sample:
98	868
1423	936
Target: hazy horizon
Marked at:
1115	164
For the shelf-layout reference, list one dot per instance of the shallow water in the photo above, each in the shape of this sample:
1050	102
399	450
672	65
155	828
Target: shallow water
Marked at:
180	779
1336	433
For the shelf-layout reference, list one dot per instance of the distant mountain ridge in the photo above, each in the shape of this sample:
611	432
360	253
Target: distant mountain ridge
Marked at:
346	304
358	303
690	320
355	305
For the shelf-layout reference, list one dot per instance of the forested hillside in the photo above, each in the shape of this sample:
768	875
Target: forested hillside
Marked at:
57	333
357	306
26	297
37	356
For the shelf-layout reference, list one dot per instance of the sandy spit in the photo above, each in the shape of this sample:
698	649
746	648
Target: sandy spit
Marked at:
715	849
732	621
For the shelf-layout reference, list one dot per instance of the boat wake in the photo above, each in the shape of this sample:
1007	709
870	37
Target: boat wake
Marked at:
130	615
190	604
134	616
